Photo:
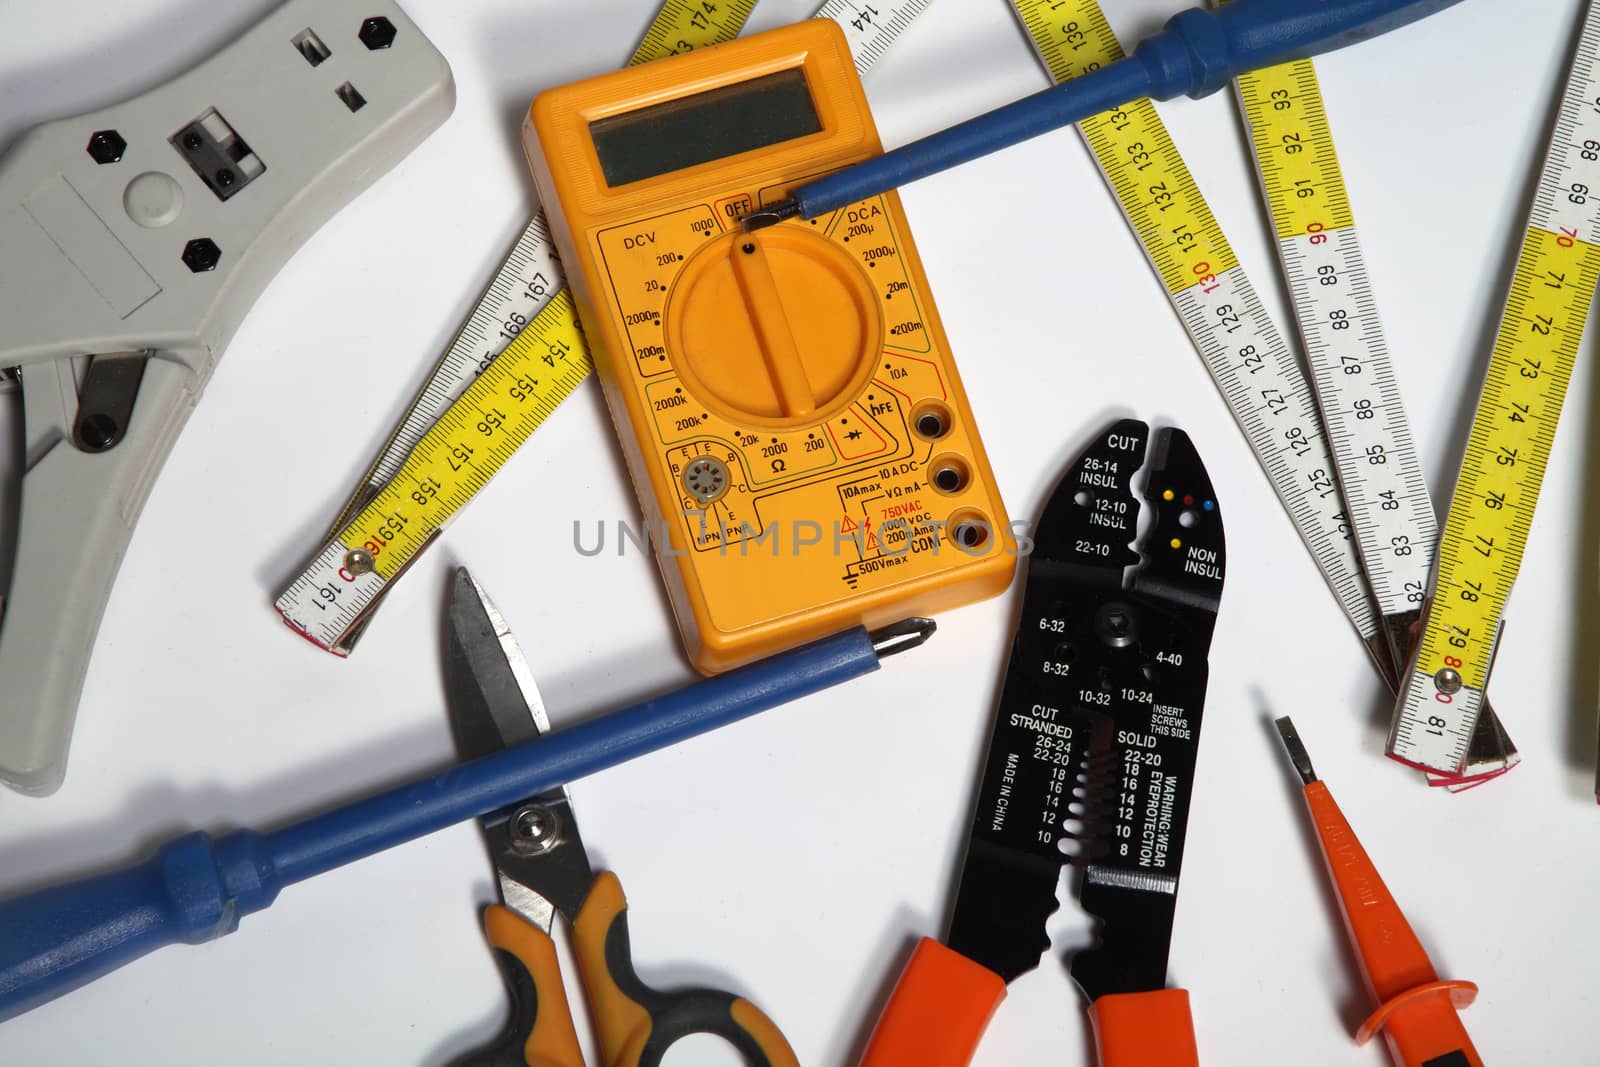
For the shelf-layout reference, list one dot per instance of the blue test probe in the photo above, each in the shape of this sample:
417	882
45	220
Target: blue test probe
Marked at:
1196	53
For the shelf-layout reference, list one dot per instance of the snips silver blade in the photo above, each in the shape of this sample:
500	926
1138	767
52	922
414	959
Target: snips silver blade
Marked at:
495	703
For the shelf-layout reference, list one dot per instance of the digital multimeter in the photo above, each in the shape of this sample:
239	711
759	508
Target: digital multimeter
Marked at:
786	399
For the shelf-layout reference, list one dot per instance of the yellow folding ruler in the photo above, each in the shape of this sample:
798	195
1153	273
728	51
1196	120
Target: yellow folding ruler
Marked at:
1380	476
519	354
1258	374
1487	529
1256	371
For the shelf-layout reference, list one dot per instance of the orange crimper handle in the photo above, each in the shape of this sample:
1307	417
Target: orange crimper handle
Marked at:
942	1003
1417	1012
937	1012
1151	1029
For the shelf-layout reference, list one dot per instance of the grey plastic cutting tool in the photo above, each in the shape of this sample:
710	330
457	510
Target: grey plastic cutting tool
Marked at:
133	240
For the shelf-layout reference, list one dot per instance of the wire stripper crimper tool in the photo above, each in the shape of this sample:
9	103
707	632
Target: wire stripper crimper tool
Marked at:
1091	762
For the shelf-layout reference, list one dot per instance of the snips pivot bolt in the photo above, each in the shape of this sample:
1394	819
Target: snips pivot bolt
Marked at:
535	829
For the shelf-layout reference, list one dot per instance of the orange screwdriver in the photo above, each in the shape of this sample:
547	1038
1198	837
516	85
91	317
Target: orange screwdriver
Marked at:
1416	1011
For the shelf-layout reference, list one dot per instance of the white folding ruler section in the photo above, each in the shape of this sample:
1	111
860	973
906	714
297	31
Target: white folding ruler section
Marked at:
871	27
1513	429
1380	476
331	601
1257	373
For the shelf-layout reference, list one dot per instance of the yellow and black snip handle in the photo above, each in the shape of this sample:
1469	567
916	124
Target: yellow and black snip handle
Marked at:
539	1032
636	1024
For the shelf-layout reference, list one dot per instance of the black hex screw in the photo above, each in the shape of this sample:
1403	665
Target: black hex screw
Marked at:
1115	625
107	146
201	255
377	32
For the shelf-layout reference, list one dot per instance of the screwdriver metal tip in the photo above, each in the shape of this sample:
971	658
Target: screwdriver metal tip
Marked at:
770	215
1297	750
901	636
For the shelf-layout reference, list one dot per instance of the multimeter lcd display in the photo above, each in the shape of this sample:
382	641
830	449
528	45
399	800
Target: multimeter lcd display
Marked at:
706	126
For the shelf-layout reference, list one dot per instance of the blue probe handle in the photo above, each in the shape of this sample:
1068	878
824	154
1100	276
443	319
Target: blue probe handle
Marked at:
1200	50
1196	53
197	887
194	889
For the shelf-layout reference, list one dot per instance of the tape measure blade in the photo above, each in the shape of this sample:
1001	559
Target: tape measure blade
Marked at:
1257	373
1260	362
1491	750
1490	754
521	289
872	27
1434	729
1524	388
527	277
1380	476
522	284
1358	395
524	289
460	453
686	25
530	273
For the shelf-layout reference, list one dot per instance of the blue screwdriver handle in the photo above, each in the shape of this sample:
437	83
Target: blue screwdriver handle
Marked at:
197	887
1196	53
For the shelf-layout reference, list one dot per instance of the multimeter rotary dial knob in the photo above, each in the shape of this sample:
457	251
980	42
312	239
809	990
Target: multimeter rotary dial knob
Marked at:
779	328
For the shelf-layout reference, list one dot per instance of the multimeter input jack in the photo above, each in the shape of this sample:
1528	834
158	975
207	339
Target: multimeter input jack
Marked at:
931	420
970	530
949	474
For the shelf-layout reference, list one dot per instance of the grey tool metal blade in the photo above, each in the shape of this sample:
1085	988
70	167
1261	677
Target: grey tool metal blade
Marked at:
494	703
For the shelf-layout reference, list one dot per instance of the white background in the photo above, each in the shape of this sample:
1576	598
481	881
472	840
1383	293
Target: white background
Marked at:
795	857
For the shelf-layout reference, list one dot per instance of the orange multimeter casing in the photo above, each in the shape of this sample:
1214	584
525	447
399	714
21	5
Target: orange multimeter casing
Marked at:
786	399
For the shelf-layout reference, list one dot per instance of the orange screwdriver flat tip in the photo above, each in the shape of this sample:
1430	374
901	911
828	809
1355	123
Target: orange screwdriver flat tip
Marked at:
1416	1011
